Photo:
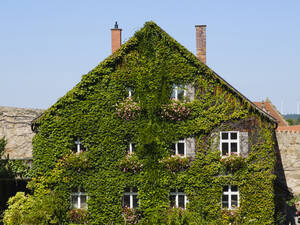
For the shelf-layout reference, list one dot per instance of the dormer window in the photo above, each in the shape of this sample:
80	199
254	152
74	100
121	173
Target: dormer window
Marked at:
229	143
179	148
79	199
78	146
178	92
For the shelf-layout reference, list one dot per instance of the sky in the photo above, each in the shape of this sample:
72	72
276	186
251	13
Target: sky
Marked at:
46	46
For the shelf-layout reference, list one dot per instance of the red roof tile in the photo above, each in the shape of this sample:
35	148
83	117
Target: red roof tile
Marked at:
271	109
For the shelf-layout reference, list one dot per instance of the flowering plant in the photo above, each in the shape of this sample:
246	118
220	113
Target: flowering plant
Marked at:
230	215
128	109
131	216
78	160
176	163
233	162
130	163
78	216
175	111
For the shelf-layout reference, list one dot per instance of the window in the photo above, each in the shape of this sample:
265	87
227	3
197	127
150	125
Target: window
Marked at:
178	198
229	143
79	200
130	92
230	197
179	148
78	146
178	92
130	198
131	148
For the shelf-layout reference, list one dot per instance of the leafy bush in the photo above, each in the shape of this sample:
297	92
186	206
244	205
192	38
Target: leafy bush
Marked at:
30	210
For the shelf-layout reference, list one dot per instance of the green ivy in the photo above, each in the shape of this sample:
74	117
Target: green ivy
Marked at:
150	63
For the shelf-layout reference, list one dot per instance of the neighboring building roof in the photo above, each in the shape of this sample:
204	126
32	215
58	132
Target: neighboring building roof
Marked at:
15	127
294	128
269	108
107	65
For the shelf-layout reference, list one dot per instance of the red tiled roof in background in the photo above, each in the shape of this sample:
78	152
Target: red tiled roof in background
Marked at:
294	128
268	107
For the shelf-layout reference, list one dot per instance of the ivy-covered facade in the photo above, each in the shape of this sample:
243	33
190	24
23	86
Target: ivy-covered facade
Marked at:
152	130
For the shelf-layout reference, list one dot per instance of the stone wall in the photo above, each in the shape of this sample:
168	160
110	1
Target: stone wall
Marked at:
289	145
15	126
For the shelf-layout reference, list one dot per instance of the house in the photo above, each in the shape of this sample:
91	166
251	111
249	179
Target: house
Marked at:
152	127
15	128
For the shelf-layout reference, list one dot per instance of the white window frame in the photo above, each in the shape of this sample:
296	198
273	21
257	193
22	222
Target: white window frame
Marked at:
130	194
229	141
176	194
78	195
175	89
230	193
130	150
176	147
79	145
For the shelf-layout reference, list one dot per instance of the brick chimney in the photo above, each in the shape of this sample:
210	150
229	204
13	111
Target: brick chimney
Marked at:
116	38
201	42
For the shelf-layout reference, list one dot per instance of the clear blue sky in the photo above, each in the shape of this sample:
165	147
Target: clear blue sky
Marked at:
46	46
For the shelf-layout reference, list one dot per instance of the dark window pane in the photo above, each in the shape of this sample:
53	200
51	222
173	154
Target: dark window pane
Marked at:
225	188
233	136
225	201
181	201
224	148
180	94
126	201
83	202
234	200
173	91
224	136
132	147
180	190
180	148
134	189
234	147
127	190
234	188
135	201
74	200
172	200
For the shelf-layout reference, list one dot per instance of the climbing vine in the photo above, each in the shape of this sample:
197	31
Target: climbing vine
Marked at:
99	112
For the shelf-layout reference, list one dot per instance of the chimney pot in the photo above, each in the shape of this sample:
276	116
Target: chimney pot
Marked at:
201	42
116	37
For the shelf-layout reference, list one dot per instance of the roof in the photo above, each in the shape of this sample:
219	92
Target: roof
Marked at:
106	66
294	128
269	108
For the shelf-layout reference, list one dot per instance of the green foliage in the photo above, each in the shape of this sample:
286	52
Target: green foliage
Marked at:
97	112
28	210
